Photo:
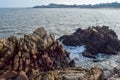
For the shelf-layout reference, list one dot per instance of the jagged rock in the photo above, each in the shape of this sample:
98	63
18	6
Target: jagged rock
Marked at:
41	32
114	77
117	69
32	54
116	74
97	74
107	74
72	74
96	39
8	75
22	76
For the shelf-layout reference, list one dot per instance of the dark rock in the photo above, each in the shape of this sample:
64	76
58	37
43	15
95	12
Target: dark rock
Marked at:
88	54
72	63
96	60
116	74
117	69
96	39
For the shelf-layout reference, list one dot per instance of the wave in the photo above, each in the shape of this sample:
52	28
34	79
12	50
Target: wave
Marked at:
105	61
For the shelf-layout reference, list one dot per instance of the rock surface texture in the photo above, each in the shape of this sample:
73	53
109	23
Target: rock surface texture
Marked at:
38	52
71	74
39	56
116	74
96	39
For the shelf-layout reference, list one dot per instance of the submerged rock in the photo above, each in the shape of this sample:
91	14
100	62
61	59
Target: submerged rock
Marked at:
88	54
96	39
38	52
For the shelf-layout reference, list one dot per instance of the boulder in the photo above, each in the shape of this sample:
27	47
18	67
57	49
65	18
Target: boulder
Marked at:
71	74
30	55
107	74
22	76
96	39
8	75
40	32
88	54
116	74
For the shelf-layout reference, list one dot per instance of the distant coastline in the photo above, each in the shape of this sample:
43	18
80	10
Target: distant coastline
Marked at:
101	5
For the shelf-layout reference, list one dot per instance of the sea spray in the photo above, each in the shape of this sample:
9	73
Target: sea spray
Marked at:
105	61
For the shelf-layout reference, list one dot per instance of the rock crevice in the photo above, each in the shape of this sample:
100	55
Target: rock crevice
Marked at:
30	55
96	39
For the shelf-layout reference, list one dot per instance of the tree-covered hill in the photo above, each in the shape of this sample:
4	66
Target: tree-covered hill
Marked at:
101	5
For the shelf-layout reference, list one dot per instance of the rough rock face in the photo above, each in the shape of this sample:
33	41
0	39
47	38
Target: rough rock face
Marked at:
35	53
116	74
96	39
71	74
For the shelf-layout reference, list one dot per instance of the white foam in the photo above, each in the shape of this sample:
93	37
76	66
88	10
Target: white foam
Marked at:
75	51
106	61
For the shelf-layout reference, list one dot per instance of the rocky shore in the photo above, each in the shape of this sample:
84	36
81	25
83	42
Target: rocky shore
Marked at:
38	56
35	53
96	40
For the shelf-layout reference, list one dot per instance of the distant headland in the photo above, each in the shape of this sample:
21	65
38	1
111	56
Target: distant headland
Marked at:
101	5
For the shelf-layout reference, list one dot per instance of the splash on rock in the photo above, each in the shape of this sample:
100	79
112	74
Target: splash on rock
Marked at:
96	39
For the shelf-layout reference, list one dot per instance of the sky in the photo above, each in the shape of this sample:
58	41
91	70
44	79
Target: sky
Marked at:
31	3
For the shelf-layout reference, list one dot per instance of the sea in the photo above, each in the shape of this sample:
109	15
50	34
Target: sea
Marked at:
62	21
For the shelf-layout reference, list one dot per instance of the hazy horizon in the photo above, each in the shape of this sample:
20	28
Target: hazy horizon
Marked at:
31	3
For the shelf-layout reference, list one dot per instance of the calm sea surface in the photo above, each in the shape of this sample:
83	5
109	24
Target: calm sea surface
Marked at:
62	21
57	21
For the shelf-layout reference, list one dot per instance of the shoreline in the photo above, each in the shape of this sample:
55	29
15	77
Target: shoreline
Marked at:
39	54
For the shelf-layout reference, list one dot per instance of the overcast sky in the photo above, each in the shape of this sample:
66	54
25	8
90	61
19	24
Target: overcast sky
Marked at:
30	3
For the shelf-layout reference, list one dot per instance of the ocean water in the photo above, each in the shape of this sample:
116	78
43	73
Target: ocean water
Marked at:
20	21
105	61
58	21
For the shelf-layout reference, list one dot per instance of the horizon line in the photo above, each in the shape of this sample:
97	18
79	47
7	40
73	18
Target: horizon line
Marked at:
61	3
